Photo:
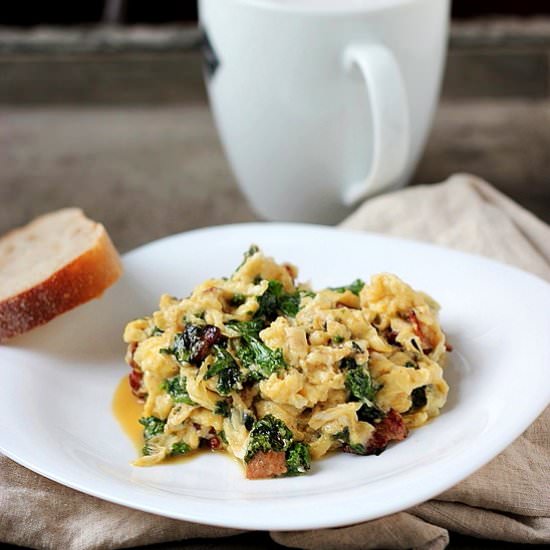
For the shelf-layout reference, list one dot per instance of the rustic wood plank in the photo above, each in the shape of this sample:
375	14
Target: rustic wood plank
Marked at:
117	79
152	171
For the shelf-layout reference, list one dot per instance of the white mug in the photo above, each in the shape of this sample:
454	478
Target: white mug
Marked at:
321	103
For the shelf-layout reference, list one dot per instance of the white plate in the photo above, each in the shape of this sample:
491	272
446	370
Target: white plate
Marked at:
58	383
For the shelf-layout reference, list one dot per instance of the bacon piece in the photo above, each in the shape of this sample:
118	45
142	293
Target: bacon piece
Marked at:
448	347
391	428
129	358
200	341
266	465
214	443
427	341
413	319
391	337
135	378
291	270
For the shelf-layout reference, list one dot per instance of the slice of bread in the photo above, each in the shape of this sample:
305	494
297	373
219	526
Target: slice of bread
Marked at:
53	264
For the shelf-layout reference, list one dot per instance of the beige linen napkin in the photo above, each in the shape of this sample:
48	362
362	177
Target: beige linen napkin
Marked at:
509	499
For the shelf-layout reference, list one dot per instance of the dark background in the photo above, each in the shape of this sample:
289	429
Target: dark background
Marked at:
25	13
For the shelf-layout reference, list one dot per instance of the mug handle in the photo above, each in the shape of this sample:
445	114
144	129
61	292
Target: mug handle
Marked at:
390	118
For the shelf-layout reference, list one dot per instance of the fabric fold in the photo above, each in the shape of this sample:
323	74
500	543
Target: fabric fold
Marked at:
398	531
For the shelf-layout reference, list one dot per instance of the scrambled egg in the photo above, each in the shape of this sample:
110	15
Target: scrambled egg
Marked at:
277	374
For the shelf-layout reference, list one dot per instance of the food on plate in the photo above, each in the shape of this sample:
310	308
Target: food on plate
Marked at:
277	374
53	264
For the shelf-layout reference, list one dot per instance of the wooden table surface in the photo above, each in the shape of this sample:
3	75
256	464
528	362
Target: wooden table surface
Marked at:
147	172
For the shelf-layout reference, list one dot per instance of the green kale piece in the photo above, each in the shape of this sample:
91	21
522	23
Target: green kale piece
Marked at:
237	300
156	331
248	420
370	413
180	448
343	437
259	359
275	301
357	449
223	437
354	287
362	388
338	339
289	304
223	408
268	434
419	398
177	389
178	349
250	252
269	302
298	460
247	329
152	426
146	450
227	370
348	363
410	365
194	343
360	384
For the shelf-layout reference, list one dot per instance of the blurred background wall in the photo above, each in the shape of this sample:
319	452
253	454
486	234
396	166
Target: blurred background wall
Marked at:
26	13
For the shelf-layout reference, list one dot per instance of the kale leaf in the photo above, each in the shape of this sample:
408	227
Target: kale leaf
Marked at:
177	389
146	450
237	300
355	448
156	331
370	413
354	287
248	420
348	363
275	301
253	249
223	408
289	304
362	388
152	426
247	329
194	344
419	398
227	370
178	349
360	384
223	437
259	359
180	448
298	460
268	434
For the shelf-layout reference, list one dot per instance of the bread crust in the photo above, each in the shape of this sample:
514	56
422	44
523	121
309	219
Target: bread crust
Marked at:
82	279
